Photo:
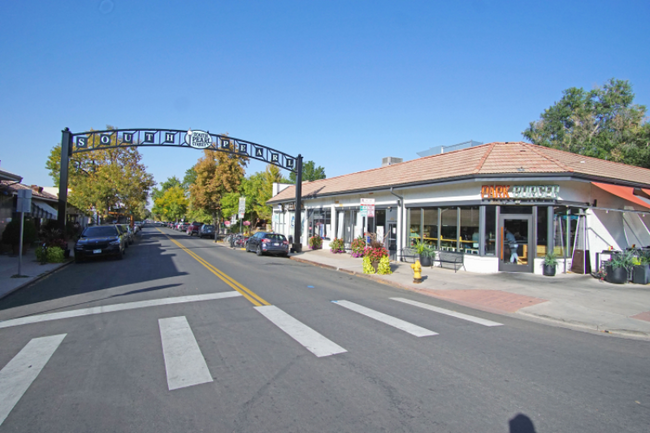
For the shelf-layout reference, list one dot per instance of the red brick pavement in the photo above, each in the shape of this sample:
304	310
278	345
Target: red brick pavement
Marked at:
489	299
643	316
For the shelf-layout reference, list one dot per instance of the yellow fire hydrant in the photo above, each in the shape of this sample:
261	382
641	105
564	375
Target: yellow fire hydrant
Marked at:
417	272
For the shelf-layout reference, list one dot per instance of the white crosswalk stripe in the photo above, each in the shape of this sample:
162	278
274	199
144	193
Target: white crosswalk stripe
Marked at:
410	328
303	334
184	362
17	376
451	313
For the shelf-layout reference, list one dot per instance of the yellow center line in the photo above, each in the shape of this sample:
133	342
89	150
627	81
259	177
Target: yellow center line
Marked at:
254	298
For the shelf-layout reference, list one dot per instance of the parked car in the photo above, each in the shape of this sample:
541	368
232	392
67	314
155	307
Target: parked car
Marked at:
206	231
271	243
100	241
183	227
128	232
193	229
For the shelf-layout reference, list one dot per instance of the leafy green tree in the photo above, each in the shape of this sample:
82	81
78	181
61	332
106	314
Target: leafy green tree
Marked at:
217	174
157	194
602	123
172	204
106	180
309	172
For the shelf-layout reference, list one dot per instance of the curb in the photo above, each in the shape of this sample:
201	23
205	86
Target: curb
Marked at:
37	278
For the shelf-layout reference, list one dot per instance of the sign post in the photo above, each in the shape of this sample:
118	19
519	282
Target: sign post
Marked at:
242	211
23	205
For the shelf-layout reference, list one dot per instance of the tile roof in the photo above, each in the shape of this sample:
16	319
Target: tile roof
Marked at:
490	159
42	194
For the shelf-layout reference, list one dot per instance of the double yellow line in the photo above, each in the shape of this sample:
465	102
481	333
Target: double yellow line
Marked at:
246	292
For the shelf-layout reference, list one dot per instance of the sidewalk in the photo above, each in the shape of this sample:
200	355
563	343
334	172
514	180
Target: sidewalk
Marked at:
571	300
31	270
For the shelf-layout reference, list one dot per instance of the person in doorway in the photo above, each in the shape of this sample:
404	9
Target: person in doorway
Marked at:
512	242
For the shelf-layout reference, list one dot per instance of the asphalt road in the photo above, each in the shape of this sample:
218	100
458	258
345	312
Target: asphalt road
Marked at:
183	335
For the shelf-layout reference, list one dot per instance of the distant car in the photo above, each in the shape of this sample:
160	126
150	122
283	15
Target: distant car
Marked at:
100	241
271	243
182	227
206	231
128	232
193	229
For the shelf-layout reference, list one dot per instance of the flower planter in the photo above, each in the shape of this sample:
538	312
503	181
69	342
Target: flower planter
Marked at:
426	261
549	270
616	275
375	265
641	274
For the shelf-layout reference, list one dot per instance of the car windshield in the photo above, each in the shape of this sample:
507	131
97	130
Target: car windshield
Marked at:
96	232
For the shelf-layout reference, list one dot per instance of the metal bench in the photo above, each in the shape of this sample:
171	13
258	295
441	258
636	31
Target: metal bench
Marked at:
409	255
451	257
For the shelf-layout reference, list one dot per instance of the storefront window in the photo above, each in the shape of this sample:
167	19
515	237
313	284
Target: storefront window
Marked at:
430	223
320	222
565	220
449	229
469	232
415	224
542	231
490	230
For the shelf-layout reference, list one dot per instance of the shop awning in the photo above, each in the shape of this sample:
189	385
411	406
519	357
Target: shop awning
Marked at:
624	192
43	210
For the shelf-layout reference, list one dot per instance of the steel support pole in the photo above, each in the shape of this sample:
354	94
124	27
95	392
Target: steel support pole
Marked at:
66	150
297	227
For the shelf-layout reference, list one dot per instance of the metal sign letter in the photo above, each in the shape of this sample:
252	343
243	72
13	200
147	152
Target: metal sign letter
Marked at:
127	137
148	137
82	142
105	139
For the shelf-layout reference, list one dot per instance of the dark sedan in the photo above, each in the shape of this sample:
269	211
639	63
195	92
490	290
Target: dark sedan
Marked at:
271	243
206	231
100	241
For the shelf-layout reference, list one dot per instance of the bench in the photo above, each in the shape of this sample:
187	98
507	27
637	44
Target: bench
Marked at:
452	257
409	255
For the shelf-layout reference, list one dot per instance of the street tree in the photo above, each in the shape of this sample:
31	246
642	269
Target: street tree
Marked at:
157	193
602	123
106	180
309	172
217	174
172	204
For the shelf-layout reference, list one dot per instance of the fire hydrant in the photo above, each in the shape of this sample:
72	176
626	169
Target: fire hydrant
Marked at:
417	272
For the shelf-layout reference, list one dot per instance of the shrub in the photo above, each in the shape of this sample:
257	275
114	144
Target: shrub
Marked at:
358	245
384	266
46	254
315	242
337	246
367	266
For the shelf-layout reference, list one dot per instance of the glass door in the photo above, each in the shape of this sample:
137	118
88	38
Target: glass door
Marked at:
515	240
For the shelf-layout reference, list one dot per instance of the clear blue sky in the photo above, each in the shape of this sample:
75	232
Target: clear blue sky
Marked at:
344	83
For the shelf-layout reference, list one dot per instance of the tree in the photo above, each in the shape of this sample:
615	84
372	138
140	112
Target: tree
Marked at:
309	172
157	194
217	174
105	179
172	204
602	123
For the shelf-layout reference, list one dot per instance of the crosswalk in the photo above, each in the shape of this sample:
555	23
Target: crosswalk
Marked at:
185	365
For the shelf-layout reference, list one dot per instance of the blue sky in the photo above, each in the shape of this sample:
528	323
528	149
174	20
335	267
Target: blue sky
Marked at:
344	83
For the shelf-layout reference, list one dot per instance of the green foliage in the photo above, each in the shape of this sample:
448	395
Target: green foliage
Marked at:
358	245
424	249
11	233
172	205
602	123
367	266
550	259
309	172
623	260
315	242
50	254
337	246
384	266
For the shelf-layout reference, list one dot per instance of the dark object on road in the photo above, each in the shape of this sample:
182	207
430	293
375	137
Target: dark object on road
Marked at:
100	241
206	231
271	243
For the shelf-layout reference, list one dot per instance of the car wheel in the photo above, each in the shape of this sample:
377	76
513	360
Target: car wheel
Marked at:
259	250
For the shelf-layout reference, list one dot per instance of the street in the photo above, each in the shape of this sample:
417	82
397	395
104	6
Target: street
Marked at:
184	335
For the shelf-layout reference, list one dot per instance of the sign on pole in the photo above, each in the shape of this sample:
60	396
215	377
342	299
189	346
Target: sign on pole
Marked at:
368	207
24	202
242	206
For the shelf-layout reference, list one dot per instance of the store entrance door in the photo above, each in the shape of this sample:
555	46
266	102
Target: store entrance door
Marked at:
516	243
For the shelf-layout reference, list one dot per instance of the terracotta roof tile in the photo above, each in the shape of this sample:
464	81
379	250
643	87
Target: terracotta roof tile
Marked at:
487	159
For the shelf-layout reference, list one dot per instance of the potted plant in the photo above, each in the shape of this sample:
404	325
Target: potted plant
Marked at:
11	234
315	242
616	271
426	253
358	245
641	268
337	246
373	254
550	264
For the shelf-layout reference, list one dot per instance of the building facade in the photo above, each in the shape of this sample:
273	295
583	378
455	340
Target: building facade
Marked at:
503	205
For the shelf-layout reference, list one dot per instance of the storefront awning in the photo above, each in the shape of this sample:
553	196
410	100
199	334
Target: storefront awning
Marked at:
43	210
624	192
